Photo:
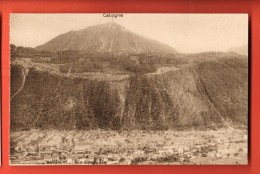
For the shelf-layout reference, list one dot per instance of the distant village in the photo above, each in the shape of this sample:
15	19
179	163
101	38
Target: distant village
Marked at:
79	152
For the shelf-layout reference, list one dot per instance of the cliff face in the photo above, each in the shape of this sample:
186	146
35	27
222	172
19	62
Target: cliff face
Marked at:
212	92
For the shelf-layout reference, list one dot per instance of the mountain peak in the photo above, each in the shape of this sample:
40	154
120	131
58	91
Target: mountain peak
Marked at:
106	37
112	25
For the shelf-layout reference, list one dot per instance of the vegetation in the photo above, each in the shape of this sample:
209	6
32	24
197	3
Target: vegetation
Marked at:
27	52
201	91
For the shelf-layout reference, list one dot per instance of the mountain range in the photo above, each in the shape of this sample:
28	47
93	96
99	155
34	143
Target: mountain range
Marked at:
242	49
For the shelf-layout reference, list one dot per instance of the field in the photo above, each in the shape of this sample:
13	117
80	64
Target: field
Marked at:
224	146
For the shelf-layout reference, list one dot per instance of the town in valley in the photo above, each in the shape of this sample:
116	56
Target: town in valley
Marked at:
121	147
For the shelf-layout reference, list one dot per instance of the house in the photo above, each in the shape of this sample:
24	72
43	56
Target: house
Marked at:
180	149
70	160
138	153
169	150
55	157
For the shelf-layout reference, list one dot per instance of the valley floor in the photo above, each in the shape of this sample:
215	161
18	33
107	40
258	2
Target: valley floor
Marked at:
49	147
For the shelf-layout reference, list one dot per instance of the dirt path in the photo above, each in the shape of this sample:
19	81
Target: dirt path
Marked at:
24	74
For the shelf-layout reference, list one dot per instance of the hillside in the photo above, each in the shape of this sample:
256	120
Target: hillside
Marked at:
200	91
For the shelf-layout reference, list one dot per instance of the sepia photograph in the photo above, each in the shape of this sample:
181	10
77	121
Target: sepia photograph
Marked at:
129	89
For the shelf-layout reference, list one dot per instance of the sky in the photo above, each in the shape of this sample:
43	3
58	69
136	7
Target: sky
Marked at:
187	33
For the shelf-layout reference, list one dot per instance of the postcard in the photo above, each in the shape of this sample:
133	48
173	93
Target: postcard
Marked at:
129	89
